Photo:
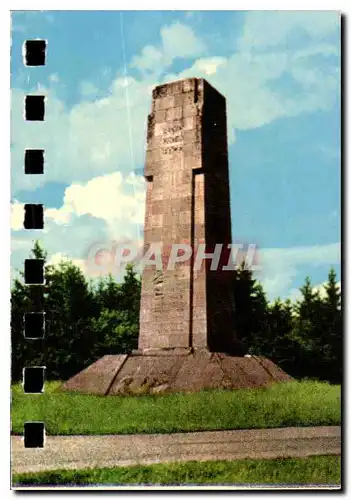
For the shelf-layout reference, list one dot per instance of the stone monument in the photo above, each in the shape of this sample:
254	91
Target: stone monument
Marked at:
187	335
187	202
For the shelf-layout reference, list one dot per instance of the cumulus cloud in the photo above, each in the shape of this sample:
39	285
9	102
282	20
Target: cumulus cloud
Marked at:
150	59
101	135
117	199
95	144
74	239
87	140
59	257
88	89
177	40
279	266
111	208
93	214
114	198
295	293
267	29
209	65
247	80
321	288
17	215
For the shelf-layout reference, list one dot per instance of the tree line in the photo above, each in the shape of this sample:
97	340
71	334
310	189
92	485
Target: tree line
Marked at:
85	320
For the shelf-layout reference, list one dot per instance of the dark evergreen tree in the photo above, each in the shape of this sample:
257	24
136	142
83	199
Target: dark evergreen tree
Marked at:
26	299
251	308
330	339
118	321
70	306
85	321
284	349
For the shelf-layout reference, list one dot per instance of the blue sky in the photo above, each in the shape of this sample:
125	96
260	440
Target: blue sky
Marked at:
280	74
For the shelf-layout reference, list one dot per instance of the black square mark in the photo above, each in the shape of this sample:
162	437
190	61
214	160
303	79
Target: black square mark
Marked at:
33	216
33	379
34	434
34	325
35	52
34	271
34	161
34	107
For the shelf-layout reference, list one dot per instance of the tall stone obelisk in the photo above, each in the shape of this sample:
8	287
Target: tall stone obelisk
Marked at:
187	340
187	202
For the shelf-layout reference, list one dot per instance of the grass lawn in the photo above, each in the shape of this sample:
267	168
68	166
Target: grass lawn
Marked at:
281	405
312	470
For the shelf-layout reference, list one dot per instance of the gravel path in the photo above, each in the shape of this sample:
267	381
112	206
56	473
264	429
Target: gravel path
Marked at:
77	452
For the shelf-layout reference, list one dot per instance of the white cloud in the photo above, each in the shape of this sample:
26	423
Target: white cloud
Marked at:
111	208
317	254
295	293
277	281
266	29
95	144
61	215
150	59
58	257
108	134
19	28
17	215
90	139
321	288
210	65
117	199
246	80
88	89
93	214
177	40
279	266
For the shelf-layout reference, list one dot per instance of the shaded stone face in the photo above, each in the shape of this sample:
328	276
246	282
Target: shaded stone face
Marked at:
187	202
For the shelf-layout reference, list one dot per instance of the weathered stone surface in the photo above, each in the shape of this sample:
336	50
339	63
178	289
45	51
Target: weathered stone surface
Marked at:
187	340
187	172
272	369
97	378
174	371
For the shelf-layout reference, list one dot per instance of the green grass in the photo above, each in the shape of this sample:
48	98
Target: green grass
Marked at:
281	405
312	470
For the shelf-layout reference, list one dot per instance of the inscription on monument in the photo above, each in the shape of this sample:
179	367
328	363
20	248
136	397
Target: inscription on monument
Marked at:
172	138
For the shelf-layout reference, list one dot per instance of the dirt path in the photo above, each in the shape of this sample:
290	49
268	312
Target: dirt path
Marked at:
76	452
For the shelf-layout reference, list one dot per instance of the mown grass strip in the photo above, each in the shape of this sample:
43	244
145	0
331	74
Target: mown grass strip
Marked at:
281	405
313	471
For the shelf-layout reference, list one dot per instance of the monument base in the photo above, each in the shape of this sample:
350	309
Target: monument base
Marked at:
174	370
